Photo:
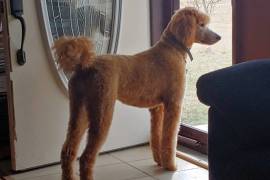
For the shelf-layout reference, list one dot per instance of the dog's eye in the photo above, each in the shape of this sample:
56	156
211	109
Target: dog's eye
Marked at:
202	24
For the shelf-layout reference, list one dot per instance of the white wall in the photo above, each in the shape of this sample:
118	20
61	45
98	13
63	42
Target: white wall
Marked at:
41	107
134	37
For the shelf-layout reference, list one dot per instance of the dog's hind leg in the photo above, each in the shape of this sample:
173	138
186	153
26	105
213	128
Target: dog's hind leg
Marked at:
157	115
100	116
77	126
169	135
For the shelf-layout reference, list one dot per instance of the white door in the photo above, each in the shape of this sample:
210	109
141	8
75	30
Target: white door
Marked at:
40	102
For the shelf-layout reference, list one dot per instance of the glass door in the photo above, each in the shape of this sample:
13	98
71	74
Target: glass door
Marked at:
207	58
245	36
193	130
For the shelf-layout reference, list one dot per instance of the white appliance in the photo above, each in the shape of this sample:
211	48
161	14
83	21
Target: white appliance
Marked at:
40	102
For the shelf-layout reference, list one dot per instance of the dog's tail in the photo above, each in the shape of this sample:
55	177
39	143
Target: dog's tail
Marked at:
73	52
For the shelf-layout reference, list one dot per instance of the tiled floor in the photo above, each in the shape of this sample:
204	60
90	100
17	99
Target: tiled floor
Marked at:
131	164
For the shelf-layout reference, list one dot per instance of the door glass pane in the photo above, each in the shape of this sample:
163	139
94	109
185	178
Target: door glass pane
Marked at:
82	18
207	58
97	19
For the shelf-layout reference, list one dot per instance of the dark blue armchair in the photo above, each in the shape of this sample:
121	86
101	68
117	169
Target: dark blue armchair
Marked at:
239	120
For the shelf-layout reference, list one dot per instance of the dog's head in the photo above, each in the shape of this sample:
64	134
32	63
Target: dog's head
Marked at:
189	26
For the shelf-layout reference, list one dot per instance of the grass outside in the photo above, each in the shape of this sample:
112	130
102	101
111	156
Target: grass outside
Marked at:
207	59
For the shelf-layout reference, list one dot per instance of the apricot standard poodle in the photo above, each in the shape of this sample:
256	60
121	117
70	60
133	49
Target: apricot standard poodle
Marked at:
153	79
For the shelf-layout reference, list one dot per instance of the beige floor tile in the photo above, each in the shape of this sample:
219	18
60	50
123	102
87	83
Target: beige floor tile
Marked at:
46	177
192	174
145	178
106	159
117	172
197	174
56	169
149	166
102	160
111	167
169	176
133	154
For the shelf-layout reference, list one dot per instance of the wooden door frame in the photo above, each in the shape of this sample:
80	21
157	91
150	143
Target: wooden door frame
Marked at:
235	33
250	30
8	68
160	14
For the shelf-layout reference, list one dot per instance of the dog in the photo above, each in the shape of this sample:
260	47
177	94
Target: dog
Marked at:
153	79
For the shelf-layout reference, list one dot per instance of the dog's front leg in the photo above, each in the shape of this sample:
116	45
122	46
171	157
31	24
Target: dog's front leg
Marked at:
169	136
157	116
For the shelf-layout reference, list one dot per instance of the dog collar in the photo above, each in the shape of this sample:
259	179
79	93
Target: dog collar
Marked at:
185	48
180	45
187	51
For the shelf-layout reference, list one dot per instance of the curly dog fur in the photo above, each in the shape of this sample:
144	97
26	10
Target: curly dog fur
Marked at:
153	79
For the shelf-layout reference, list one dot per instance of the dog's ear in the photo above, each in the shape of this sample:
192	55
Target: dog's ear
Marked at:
183	27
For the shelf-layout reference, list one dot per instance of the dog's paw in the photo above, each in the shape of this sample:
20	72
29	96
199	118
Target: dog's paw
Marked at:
158	162
169	165
70	177
157	159
172	168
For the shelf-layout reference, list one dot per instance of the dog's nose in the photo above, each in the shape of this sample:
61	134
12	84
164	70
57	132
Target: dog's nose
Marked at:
218	37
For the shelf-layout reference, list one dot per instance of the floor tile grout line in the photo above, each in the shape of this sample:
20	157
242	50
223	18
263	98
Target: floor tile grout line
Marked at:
149	175
101	166
141	171
104	165
124	160
189	169
138	178
130	160
128	163
141	178
177	171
